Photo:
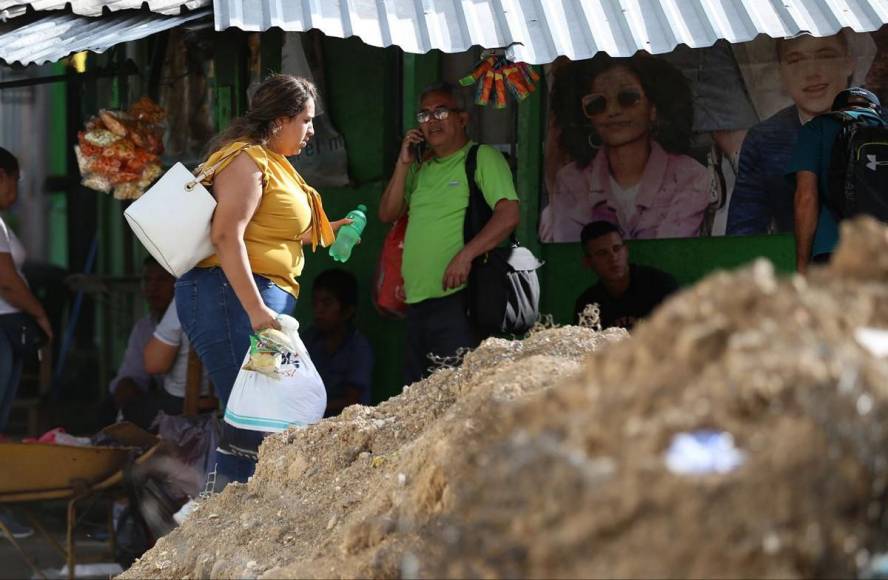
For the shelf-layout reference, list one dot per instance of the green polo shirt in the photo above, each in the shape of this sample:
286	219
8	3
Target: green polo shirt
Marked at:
437	196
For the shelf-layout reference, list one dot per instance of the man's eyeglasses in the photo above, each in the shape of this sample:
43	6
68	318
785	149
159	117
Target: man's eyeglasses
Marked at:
597	104
439	114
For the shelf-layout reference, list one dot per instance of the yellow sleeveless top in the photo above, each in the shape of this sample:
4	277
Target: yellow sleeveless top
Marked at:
288	208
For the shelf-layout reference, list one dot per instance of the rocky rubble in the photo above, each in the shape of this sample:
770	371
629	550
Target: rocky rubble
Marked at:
544	457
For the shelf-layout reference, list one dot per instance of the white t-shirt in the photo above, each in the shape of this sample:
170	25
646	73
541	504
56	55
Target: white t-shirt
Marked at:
10	244
625	198
169	331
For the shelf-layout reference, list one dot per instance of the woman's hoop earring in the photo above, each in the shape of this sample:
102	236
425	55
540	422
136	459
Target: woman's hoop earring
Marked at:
590	139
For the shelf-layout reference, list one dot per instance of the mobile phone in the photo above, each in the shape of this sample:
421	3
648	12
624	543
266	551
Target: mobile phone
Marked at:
419	150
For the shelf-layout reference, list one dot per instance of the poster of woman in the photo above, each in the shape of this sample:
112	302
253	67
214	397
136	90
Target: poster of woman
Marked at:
625	123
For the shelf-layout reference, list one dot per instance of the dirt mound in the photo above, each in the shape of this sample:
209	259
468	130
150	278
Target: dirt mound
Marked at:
534	459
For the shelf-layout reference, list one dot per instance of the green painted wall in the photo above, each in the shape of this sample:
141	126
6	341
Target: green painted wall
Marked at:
362	86
563	277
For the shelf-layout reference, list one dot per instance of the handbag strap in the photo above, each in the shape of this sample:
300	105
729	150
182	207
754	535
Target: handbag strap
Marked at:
205	173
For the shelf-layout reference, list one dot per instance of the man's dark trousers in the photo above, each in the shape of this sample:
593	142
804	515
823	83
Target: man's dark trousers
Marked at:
437	327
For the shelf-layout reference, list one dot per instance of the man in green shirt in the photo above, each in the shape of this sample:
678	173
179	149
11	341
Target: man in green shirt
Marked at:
434	192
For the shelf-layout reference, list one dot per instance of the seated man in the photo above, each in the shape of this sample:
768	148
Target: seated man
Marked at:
341	354
133	381
625	292
167	354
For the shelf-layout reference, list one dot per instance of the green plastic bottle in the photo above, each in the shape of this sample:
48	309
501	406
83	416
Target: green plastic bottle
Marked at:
349	235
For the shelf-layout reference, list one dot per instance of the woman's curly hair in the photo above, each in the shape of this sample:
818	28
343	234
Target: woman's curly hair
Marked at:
277	96
663	84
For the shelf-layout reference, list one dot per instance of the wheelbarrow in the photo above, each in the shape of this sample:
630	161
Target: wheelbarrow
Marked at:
36	472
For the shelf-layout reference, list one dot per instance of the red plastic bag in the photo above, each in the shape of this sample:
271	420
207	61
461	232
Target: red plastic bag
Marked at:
388	291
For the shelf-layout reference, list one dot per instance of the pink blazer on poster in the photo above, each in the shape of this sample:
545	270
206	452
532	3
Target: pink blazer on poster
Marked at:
673	194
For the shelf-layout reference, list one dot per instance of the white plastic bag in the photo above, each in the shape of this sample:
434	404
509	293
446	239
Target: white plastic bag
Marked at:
259	402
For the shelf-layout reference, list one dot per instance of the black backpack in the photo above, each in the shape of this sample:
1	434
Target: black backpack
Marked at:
858	169
504	291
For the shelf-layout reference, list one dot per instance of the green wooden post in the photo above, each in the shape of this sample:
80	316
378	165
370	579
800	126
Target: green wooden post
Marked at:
419	71
271	43
391	125
530	166
230	72
112	216
114	256
93	99
223	107
58	162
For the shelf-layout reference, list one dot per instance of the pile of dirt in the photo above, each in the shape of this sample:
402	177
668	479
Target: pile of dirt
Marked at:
536	458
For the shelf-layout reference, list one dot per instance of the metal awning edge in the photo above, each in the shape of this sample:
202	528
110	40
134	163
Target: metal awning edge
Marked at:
539	31
95	8
56	35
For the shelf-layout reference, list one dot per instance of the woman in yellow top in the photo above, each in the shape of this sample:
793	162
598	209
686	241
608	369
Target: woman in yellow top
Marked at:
265	212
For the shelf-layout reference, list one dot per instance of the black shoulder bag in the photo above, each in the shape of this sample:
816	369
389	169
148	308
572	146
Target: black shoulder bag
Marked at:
504	291
25	336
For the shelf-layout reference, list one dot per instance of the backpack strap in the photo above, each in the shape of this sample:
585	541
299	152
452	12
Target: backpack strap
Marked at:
840	116
478	212
858	116
868	117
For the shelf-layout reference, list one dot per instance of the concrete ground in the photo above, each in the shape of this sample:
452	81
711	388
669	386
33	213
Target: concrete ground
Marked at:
90	545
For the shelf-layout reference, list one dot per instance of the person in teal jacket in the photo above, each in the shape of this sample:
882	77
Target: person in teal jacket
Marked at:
816	227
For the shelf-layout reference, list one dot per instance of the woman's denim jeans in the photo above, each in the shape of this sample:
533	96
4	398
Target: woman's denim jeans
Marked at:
10	374
219	330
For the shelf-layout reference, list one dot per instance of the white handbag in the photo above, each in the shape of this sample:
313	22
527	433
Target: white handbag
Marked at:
172	219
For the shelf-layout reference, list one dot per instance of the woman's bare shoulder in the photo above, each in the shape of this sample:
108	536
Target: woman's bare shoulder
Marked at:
243	170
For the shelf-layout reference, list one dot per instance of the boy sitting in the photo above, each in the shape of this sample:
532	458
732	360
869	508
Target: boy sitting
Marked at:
341	354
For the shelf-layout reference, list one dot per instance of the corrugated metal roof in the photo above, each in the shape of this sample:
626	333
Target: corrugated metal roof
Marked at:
546	29
56	35
12	8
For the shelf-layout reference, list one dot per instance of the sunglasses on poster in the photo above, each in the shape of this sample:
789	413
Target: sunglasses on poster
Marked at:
597	104
438	114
